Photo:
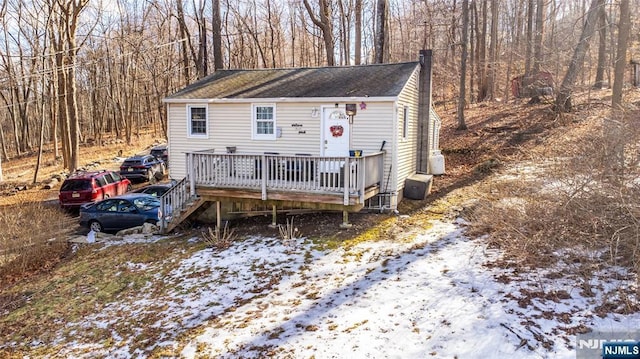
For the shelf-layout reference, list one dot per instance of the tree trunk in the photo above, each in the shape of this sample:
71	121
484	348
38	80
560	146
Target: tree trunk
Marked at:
203	51
563	99
381	30
463	66
345	25
40	145
615	126
537	49
621	55
493	53
358	33
185	41
602	48
325	24
482	53
473	47
72	106
452	42
216	28
4	152
529	44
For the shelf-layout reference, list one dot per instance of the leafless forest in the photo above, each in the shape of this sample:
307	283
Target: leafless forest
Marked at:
73	71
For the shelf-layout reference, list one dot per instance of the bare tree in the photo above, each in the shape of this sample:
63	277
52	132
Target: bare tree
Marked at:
615	126
66	17
185	36
463	66
529	41
602	48
481	49
493	52
325	23
358	33
202	57
624	28
216	29
381	41
537	48
563	101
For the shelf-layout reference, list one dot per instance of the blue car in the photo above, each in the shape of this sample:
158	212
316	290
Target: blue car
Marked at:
120	212
144	168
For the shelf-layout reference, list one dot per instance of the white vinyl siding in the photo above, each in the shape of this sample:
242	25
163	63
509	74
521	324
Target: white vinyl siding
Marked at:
406	153
264	122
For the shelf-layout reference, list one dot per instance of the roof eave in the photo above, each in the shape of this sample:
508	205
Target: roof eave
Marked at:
283	99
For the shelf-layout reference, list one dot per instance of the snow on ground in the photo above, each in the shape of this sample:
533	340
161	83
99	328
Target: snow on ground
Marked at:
435	295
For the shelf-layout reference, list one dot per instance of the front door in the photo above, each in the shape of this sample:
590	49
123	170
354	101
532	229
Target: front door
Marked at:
335	132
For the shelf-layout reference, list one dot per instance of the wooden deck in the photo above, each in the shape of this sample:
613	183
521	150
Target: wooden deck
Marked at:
315	182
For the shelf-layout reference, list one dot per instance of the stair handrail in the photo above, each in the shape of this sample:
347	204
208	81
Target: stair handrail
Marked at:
172	202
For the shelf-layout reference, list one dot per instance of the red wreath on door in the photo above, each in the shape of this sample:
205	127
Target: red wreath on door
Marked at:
336	130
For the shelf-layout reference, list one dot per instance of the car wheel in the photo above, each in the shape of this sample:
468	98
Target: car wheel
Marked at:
129	188
95	226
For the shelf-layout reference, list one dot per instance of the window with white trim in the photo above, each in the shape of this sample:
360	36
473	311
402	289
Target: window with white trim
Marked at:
264	122
198	118
405	122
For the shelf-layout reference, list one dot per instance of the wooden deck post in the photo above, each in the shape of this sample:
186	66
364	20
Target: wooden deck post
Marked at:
274	222
263	170
218	214
345	220
192	174
347	180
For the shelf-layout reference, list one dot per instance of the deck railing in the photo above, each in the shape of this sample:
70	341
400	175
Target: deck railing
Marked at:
173	202
346	176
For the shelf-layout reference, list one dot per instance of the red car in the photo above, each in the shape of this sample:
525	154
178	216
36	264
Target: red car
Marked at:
92	186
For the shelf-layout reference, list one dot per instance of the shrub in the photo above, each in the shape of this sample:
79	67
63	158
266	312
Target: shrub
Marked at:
288	233
33	238
219	238
584	198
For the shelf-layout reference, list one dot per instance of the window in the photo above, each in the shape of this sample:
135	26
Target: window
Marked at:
101	181
108	206
405	122
264	122
126	207
108	178
197	121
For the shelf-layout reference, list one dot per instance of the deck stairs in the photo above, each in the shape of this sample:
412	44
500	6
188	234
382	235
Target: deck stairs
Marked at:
177	204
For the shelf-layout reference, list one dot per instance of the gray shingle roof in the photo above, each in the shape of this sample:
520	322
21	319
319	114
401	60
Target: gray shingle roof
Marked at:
380	80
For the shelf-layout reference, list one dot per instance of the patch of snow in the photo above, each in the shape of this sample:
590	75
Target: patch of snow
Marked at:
137	238
436	295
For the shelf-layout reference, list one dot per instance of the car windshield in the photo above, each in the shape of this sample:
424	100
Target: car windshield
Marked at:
76	185
155	191
146	203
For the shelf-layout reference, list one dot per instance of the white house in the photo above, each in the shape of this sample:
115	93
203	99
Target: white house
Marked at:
337	138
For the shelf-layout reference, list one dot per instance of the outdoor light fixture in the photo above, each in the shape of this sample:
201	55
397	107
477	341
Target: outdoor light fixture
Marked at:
351	109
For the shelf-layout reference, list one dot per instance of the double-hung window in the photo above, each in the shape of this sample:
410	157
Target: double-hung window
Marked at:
197	117
264	122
